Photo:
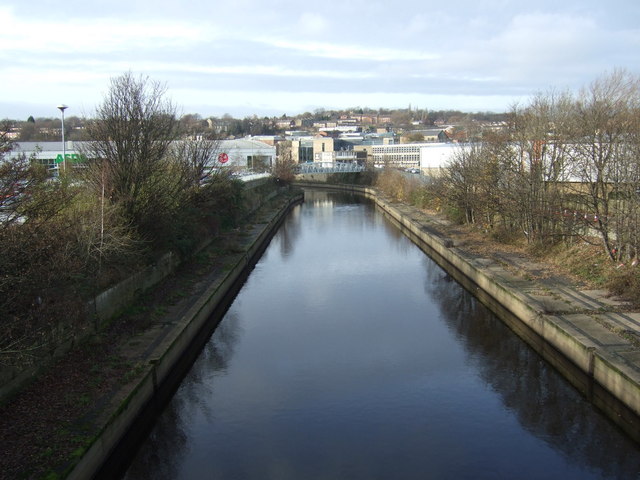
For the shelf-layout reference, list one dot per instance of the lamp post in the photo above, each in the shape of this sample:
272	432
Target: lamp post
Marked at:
62	107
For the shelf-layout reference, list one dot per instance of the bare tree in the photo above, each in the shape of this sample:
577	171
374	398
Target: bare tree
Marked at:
132	132
538	140
284	169
603	156
461	183
195	158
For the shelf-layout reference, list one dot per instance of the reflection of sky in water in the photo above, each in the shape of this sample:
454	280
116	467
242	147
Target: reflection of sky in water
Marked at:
349	354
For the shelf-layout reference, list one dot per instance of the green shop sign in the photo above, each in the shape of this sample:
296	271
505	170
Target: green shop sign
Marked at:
72	157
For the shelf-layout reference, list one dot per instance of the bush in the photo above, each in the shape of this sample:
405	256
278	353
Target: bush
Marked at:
624	281
216	205
392	183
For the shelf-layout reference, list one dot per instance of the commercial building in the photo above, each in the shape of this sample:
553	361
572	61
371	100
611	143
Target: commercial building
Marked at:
428	157
242	154
50	154
246	154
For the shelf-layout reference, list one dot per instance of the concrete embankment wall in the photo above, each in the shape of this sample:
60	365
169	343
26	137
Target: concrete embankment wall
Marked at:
609	363
190	330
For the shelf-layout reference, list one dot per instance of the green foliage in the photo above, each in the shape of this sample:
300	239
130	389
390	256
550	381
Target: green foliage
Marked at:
454	214
421	197
131	136
34	238
218	204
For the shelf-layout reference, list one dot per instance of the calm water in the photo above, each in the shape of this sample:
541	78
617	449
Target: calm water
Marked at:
349	354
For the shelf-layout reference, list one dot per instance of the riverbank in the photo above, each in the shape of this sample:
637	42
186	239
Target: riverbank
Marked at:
66	422
562	318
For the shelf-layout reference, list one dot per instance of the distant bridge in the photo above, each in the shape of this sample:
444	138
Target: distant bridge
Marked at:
329	167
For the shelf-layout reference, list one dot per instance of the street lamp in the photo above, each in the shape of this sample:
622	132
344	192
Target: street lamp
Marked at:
62	107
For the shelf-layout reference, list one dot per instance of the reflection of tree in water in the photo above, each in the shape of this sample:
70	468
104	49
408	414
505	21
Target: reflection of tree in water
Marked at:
545	403
289	232
161	454
158	455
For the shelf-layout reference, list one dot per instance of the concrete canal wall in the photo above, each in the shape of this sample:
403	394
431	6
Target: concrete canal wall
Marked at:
585	327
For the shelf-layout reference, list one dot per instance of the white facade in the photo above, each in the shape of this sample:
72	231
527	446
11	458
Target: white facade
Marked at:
434	156
427	156
324	157
245	154
405	155
242	154
49	153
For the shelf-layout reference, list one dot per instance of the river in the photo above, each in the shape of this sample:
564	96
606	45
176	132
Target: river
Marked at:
349	353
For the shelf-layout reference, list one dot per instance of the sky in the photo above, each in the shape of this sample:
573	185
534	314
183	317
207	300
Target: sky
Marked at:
276	57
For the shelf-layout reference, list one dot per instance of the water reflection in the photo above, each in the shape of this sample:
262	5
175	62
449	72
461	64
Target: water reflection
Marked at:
289	232
544	403
349	354
161	455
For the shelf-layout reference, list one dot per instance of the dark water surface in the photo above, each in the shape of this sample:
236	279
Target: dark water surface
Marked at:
349	354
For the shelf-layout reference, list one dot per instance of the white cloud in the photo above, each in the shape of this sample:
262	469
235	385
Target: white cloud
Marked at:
533	39
270	70
312	24
363	53
276	102
99	35
349	52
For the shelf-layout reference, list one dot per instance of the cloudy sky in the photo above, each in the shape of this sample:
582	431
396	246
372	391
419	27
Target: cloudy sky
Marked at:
279	56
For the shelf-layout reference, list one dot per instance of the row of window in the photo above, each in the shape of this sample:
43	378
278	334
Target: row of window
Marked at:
396	156
396	149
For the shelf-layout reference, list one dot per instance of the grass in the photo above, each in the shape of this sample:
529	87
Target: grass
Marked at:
132	373
582	260
159	311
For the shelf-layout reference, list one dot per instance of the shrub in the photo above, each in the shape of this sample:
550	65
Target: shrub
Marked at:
624	281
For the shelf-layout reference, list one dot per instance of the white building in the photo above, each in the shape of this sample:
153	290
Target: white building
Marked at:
434	156
50	153
406	155
245	154
427	156
242	154
409	155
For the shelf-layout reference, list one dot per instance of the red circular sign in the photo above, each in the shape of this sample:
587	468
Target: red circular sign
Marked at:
223	158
